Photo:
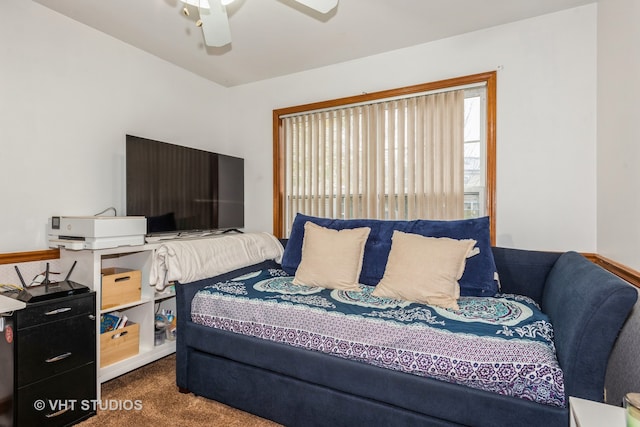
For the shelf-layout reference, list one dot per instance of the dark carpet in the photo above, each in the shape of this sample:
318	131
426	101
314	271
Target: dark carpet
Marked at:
148	396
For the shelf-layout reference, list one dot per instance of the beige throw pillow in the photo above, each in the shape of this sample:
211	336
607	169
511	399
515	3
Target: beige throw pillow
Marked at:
424	269
331	258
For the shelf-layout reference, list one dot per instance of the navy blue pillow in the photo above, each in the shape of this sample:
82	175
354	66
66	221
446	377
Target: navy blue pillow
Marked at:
477	280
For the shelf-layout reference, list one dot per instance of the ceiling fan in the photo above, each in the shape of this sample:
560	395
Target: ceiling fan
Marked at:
215	23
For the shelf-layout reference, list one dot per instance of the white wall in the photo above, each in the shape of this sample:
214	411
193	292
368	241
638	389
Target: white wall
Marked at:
618	131
546	144
68	96
618	148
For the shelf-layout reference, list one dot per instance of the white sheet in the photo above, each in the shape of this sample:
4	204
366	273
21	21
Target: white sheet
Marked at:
185	261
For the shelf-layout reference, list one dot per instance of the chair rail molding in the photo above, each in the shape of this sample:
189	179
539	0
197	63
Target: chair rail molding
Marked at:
627	273
19	257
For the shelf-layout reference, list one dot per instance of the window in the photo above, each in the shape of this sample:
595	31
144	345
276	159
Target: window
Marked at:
474	153
390	154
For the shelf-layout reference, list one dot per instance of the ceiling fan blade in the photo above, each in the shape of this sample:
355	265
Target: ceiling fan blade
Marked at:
215	24
322	6
197	3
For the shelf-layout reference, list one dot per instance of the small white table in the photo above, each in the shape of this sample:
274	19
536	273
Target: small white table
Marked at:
8	305
587	413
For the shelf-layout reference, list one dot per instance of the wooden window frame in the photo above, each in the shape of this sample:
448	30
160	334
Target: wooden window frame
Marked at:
488	78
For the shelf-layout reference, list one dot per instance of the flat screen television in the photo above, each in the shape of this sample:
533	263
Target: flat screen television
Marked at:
181	189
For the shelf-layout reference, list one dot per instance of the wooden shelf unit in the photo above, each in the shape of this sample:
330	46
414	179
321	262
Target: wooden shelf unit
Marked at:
88	272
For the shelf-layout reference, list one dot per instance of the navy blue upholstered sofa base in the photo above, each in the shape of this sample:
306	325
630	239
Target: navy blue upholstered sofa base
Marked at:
298	387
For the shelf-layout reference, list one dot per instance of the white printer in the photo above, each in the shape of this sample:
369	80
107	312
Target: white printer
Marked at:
96	232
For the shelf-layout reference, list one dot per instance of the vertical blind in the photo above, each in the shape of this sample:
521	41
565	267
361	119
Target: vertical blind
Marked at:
396	159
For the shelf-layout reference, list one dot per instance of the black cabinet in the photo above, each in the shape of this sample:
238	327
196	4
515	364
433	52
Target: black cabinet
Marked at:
55	361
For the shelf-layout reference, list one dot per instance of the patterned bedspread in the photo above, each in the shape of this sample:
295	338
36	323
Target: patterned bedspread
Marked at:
502	344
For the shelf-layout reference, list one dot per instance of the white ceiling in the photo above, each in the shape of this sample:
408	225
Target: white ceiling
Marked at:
277	37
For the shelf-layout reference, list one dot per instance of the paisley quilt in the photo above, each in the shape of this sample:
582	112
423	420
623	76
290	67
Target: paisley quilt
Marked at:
503	344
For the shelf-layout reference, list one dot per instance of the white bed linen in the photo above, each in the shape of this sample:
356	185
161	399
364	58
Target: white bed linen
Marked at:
186	261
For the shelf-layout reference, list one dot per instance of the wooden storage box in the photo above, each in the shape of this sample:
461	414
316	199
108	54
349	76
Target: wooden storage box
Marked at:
119	344
120	286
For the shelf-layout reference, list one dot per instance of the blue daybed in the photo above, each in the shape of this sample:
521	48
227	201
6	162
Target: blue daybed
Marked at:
294	386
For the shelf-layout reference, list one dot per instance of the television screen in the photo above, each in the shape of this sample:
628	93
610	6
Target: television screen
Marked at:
182	189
